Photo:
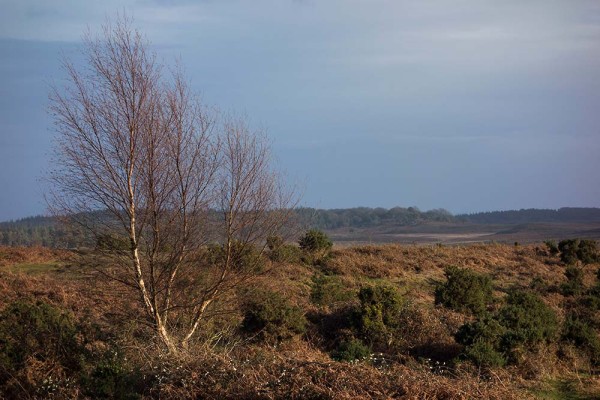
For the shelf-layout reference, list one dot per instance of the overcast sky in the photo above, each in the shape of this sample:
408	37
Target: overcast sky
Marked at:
466	105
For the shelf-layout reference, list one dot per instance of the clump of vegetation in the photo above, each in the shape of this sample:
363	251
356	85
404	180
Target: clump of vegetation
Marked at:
524	320
244	257
464	291
282	252
39	331
552	247
112	378
41	351
111	242
268	316
574	284
573	250
316	245
582	335
528	320
329	291
351	350
538	284
378	315
483	341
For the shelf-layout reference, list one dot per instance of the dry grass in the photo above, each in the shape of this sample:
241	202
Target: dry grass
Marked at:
302	368
10	256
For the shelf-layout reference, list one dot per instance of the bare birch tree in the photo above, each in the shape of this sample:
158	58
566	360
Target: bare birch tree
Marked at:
166	173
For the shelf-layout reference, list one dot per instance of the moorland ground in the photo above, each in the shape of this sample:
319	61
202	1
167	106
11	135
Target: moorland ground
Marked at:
322	329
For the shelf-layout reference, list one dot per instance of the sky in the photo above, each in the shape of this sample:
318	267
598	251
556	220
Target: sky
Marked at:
467	105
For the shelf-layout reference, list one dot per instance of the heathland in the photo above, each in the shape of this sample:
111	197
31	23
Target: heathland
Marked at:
482	320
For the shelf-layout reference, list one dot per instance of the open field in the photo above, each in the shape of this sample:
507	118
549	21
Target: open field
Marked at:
422	364
457	233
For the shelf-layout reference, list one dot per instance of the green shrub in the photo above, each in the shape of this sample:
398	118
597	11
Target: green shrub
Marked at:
243	256
523	320
574	285
464	291
112	379
527	319
484	354
552	247
315	241
539	285
268	316
568	250
587	252
37	330
351	350
113	242
378	315
329	291
482	340
572	250
582	335
486	329
281	252
274	242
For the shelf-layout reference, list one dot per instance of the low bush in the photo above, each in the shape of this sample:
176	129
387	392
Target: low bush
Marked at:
527	319
315	241
573	250
484	354
552	247
329	291
268	316
574	284
464	291
111	378
351	350
39	331
524	320
582	335
378	315
483	341
316	246
244	256
282	252
112	242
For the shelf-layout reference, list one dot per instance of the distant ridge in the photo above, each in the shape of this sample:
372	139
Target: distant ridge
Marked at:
531	215
47	231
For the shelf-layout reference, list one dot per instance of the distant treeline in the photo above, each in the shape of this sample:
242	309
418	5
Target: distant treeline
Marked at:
48	231
42	231
566	214
364	217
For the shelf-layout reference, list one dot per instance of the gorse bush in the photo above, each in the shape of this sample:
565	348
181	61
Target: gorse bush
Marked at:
378	315
573	250
111	378
112	242
484	354
329	291
483	341
528	320
279	251
524	320
464	291
268	316
351	350
582	335
316	245
574	285
315	241
243	257
37	331
552	247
